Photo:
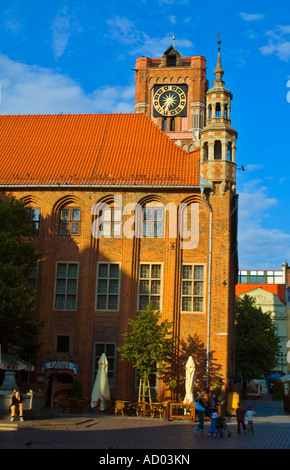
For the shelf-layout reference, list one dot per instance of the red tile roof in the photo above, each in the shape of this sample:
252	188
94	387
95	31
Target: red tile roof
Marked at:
277	289
91	149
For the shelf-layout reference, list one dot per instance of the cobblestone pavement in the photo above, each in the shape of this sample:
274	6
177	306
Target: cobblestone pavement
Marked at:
92	431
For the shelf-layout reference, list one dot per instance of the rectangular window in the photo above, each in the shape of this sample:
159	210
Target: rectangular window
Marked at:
108	286
70	218
153	218
110	350
32	282
149	286
66	286
33	215
63	344
192	288
111	222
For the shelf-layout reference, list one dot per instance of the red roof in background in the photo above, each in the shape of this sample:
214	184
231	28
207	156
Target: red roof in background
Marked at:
277	289
92	149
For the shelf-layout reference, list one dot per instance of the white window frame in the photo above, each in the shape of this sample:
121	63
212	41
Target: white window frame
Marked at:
66	293
107	293
150	279
70	221
153	206
192	295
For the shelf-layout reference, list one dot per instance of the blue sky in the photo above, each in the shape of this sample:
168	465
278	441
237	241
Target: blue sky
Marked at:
66	56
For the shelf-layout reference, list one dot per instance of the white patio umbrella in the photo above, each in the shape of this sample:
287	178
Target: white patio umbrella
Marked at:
101	390
189	380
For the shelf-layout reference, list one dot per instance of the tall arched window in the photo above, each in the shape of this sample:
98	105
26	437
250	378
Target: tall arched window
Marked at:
201	119
172	124
210	111
195	119
217	110
205	152
229	152
217	150
164	124
226	112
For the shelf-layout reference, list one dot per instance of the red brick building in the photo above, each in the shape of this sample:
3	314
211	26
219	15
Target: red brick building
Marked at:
110	195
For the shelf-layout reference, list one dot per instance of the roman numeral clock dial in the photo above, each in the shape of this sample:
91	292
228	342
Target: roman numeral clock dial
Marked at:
169	100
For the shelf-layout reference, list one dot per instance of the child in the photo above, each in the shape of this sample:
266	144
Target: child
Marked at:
213	430
16	405
250	418
240	412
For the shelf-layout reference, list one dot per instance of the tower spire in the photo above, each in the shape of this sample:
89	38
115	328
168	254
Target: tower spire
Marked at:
219	70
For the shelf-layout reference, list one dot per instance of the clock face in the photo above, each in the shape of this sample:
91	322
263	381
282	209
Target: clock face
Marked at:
169	100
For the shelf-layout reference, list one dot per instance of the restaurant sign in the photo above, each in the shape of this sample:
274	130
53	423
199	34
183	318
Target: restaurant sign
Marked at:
60	365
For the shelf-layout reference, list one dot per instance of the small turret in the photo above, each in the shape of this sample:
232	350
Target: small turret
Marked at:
218	137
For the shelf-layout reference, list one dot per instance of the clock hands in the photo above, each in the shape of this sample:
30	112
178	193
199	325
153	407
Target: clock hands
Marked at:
169	101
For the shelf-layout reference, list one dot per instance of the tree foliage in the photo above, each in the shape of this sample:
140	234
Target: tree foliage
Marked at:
257	343
17	258
149	342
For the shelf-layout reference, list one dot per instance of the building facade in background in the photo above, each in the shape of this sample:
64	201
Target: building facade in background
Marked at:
270	289
130	208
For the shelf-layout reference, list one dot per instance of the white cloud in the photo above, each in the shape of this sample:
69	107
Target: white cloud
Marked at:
65	24
253	167
35	90
124	31
251	16
278	43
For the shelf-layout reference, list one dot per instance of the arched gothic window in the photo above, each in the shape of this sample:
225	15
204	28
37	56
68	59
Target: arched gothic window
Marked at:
217	150
229	152
205	152
217	110
201	119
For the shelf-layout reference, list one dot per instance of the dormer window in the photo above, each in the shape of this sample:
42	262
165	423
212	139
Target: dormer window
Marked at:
171	60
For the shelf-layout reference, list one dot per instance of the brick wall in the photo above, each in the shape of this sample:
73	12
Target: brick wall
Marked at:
85	325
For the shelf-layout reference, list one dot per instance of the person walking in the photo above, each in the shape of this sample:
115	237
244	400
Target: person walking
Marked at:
240	413
250	419
199	411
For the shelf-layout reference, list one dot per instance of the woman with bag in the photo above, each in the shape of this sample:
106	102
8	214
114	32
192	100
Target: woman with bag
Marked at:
199	410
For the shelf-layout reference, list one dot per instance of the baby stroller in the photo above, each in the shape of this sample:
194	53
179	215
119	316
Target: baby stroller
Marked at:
222	427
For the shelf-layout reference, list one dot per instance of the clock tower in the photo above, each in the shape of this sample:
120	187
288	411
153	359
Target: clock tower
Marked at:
171	90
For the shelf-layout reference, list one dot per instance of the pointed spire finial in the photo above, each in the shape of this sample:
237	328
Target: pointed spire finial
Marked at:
173	40
218	71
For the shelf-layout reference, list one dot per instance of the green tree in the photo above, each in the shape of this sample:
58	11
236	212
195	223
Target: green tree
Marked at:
17	258
256	341
148	343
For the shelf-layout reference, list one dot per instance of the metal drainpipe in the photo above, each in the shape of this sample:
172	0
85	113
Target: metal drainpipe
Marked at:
209	286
